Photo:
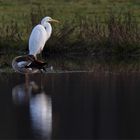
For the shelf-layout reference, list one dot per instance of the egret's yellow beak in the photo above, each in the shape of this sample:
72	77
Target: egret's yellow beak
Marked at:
54	20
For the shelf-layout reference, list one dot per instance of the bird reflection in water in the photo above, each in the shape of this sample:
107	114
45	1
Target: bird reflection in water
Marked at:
40	107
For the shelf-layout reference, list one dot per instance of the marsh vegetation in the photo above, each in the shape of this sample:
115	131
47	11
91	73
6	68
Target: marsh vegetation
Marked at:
98	29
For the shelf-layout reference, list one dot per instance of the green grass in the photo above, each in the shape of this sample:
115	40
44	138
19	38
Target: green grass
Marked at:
87	27
65	10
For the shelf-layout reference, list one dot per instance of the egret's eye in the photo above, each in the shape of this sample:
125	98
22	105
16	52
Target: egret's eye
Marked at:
50	19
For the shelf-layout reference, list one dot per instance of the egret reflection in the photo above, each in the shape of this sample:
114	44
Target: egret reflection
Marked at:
39	104
41	115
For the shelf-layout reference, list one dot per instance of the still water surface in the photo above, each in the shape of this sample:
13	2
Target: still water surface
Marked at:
82	105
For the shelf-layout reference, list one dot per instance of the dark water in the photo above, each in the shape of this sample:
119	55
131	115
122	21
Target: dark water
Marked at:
70	106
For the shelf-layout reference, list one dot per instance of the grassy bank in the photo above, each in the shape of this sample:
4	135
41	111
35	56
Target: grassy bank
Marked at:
95	28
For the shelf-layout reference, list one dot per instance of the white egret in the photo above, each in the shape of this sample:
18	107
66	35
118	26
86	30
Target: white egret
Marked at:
39	35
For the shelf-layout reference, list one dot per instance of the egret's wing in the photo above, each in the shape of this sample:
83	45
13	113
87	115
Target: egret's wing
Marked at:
37	40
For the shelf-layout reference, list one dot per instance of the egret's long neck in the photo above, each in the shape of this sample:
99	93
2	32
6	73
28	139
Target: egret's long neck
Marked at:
48	28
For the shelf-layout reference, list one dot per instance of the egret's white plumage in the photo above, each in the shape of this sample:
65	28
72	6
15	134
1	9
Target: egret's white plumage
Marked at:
37	40
39	35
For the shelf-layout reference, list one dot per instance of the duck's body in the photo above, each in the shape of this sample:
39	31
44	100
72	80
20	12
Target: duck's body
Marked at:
37	64
27	64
